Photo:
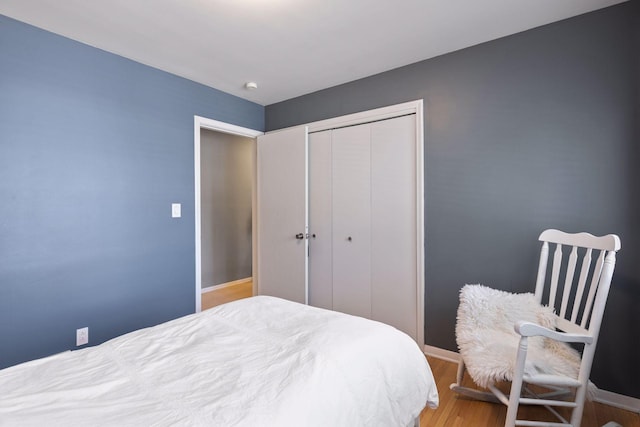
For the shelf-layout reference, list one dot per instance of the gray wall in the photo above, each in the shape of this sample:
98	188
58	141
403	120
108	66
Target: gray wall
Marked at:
527	132
226	165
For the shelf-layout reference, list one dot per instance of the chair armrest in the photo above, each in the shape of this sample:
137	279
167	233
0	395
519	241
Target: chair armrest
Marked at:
528	329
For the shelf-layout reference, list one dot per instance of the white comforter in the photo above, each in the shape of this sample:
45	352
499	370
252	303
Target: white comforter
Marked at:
261	361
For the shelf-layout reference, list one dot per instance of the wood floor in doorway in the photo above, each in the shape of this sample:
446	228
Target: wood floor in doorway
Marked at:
227	294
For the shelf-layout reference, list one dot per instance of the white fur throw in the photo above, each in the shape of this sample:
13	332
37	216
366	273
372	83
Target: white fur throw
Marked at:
488	343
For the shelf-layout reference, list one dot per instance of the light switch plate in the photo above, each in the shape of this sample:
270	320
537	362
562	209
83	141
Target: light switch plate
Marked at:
176	210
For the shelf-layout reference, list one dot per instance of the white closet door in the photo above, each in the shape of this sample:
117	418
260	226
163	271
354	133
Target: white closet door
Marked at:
393	223
282	214
352	220
320	234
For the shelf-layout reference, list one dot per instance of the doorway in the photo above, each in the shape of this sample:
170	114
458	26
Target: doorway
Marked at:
224	163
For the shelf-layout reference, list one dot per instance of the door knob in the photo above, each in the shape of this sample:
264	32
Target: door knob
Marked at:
300	236
349	238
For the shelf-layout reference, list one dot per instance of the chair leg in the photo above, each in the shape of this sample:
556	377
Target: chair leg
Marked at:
576	414
460	373
514	401
516	384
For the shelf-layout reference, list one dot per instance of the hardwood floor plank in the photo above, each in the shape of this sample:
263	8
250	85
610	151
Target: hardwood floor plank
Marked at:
228	294
456	410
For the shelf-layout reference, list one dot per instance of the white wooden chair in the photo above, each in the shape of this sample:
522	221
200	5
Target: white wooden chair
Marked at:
539	353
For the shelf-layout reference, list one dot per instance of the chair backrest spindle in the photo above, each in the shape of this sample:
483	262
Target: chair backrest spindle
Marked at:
542	271
555	275
568	281
584	272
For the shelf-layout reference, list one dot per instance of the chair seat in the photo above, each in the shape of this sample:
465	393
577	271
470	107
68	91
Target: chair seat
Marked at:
488	343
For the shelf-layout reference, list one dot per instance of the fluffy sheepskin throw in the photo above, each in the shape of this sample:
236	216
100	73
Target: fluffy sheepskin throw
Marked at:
488	343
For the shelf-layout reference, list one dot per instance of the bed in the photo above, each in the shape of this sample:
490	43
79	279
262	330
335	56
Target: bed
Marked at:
260	361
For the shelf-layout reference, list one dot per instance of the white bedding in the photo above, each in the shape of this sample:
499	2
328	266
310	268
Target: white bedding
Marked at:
260	361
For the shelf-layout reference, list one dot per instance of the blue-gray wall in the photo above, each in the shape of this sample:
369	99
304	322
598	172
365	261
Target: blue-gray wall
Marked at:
94	148
531	131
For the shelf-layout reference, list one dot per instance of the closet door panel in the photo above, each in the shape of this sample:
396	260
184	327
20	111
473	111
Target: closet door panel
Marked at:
393	223
352	220
320	233
282	214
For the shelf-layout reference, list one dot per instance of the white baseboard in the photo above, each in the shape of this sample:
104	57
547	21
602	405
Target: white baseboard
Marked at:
441	353
616	400
226	285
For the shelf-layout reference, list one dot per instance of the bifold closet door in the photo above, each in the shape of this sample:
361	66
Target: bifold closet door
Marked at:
351	218
393	223
320	230
282	214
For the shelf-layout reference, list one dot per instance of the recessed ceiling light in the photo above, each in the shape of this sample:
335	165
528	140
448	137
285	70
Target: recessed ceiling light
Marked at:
251	85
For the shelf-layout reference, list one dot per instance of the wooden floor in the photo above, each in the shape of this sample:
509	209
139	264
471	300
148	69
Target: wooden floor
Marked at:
459	411
227	294
455	411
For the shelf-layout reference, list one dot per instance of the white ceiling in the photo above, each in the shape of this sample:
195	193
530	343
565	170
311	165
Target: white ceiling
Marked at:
289	47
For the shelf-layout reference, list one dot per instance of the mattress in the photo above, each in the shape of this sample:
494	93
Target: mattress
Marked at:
260	361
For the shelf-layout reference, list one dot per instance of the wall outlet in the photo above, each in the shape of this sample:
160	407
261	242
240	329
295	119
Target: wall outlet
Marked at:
82	336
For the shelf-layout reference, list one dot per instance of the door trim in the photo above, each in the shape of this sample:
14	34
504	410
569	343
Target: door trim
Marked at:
391	111
200	123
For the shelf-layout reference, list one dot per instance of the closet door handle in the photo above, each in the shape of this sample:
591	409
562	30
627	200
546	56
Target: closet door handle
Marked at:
300	236
349	238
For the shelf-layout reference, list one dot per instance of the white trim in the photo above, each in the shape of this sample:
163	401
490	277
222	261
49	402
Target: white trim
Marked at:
218	126
367	116
605	397
215	125
254	217
441	353
420	232
226	285
616	400
306	217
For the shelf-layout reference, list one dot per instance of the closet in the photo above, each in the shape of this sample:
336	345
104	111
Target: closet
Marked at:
339	217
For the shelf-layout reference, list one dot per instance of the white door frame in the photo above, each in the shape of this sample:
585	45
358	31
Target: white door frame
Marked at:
200	123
